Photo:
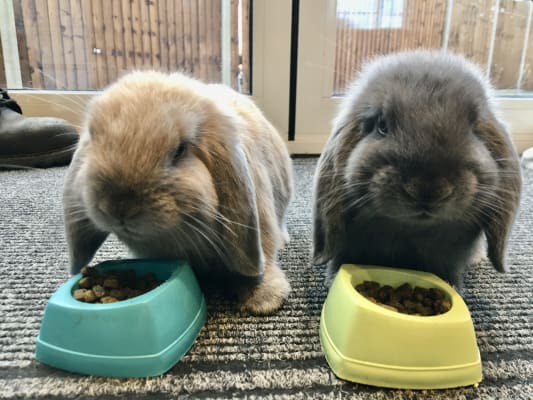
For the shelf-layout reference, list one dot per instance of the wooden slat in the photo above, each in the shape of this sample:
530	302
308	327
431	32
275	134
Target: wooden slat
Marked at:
420	37
153	34
379	42
438	23
214	41
129	60
203	41
403	31
121	36
195	51
349	47
90	44
234	44
81	45
99	43
187	37
179	37
165	22
246	60
470	29
56	40
508	44
171	49
417	27
45	60
25	71
353	50
344	51
108	46
136	30
65	18
145	35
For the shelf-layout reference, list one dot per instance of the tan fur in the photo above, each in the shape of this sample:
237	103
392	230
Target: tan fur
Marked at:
233	184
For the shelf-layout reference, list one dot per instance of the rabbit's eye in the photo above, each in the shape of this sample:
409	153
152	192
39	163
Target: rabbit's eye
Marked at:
179	152
382	127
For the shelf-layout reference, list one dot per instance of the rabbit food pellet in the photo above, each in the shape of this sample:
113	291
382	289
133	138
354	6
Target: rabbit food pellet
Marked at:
112	286
406	299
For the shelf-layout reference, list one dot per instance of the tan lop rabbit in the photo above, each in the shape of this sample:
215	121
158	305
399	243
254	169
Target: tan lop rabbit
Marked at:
176	168
418	170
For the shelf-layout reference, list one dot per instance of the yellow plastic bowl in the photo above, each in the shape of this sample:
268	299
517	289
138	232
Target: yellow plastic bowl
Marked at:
367	343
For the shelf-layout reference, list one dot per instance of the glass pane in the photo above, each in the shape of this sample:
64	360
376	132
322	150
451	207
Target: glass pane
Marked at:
84	45
494	33
496	40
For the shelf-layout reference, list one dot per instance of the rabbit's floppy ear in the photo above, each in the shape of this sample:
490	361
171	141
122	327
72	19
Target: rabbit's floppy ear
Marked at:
83	238
325	232
328	224
498	226
228	166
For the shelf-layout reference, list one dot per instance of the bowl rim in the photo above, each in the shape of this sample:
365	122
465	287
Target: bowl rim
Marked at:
64	293
457	310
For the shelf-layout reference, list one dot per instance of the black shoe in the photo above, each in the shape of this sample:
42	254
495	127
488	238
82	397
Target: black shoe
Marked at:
37	142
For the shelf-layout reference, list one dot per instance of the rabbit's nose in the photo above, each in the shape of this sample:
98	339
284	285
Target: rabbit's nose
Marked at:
428	190
119	209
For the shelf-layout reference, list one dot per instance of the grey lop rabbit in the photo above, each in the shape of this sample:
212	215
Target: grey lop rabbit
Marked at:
418	171
176	168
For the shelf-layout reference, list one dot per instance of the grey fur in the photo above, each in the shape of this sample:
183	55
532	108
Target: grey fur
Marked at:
423	191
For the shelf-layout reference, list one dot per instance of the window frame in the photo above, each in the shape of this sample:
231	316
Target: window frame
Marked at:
315	107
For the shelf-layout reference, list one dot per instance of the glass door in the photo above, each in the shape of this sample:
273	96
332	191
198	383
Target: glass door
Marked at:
54	55
85	45
336	37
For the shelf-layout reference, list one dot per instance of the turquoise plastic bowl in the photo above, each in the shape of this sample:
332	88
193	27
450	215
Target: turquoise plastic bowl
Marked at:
143	336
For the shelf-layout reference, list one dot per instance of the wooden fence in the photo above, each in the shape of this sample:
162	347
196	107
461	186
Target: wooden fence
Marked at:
510	61
82	44
421	26
86	44
494	33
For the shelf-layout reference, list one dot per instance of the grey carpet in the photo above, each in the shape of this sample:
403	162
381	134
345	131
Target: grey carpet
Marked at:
240	356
